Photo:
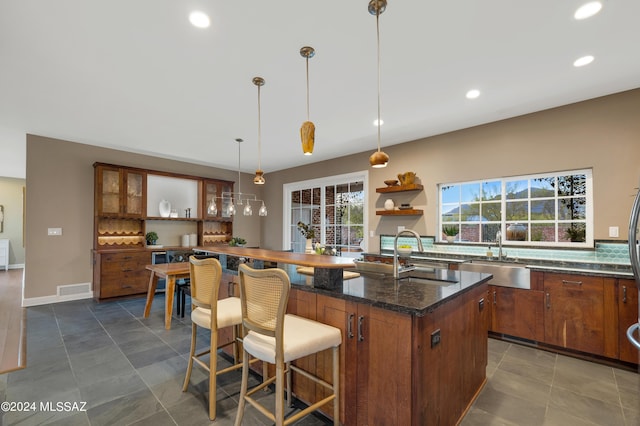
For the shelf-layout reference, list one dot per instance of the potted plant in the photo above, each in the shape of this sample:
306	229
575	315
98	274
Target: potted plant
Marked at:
309	234
237	242
151	238
450	231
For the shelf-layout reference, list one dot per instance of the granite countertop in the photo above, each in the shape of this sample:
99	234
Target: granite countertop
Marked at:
426	290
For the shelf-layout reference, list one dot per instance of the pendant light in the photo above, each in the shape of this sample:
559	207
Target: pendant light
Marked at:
308	129
259	178
379	158
231	199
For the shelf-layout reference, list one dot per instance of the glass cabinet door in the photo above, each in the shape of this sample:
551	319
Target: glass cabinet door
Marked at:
109	194
212	203
134	194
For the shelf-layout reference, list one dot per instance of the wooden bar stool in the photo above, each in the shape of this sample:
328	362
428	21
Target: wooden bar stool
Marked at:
210	313
278	338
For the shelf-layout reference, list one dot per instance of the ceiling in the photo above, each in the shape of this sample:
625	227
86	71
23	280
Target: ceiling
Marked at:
137	76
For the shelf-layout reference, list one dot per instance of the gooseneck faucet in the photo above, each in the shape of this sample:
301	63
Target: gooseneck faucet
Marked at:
499	240
396	265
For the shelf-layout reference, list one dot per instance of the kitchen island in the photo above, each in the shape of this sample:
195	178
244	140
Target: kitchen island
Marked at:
414	350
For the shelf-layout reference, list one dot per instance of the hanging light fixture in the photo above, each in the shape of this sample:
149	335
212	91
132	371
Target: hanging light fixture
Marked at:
259	178
238	198
308	129
379	158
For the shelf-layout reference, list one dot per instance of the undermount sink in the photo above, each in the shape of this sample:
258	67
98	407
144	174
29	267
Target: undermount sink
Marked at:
505	273
428	281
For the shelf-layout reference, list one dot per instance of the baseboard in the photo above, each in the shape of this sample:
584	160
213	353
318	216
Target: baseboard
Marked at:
65	293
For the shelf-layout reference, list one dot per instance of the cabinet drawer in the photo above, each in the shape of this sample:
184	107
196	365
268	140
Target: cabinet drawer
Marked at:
573	282
123	285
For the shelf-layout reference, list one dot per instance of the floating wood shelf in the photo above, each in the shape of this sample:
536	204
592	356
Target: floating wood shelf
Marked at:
408	212
400	188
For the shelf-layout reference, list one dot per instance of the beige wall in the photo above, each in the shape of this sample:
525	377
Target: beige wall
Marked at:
60	194
602	133
11	197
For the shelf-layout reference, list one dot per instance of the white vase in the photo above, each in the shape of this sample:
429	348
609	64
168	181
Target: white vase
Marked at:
164	208
309	246
389	204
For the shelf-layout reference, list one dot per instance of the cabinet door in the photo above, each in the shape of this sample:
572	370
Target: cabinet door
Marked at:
517	312
384	376
574	312
108	190
628	315
133	197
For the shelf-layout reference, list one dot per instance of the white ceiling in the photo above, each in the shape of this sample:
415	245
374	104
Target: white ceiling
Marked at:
135	75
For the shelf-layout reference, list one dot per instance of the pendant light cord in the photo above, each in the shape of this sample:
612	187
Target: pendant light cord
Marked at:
259	132
307	87
239	188
378	45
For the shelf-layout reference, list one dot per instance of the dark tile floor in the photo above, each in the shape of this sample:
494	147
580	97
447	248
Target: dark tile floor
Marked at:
129	371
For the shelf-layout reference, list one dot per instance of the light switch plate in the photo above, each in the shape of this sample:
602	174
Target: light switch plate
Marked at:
613	232
54	231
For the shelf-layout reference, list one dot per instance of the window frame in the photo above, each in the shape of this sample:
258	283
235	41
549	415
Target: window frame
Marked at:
322	183
529	200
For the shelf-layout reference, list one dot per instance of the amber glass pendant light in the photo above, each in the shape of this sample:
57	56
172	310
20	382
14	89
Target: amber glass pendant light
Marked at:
308	129
259	178
379	158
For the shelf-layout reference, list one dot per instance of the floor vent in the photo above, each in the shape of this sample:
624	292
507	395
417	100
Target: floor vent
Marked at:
68	290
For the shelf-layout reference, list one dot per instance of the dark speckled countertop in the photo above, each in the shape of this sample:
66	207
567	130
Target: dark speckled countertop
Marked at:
424	291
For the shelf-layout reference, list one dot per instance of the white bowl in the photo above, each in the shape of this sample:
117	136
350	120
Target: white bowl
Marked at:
404	251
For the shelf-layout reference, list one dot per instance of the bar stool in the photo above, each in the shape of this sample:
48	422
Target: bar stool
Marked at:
278	338
210	313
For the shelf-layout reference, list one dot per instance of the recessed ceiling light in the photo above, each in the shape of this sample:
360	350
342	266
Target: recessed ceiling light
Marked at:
199	19
585	60
587	10
473	93
375	122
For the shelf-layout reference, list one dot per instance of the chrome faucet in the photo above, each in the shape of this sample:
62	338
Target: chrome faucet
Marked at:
499	241
396	265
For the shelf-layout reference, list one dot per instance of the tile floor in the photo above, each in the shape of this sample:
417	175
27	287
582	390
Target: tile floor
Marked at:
129	371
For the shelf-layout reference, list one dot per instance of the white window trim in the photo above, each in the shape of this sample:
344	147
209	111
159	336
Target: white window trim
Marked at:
287	188
589	235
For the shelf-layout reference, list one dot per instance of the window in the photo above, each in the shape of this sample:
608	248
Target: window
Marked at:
545	209
335	207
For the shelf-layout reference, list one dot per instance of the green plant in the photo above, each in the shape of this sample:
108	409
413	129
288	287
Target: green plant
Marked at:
576	233
450	230
306	230
151	237
237	241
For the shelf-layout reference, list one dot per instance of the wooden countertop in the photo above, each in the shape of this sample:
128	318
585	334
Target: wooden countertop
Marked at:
302	259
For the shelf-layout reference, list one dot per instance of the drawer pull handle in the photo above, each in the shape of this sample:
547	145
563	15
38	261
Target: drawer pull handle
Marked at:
360	324
126	286
350	325
494	297
127	270
548	301
624	294
572	282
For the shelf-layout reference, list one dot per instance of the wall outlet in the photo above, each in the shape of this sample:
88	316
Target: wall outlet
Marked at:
400	228
54	231
435	338
371	234
614	232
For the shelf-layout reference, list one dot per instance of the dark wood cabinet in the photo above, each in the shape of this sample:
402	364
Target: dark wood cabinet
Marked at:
580	313
390	372
118	274
517	312
120	192
627	315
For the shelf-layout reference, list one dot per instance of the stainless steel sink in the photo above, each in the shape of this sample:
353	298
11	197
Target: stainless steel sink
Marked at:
507	274
428	281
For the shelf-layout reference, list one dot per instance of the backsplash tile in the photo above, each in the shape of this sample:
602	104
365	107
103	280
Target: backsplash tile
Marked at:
611	253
